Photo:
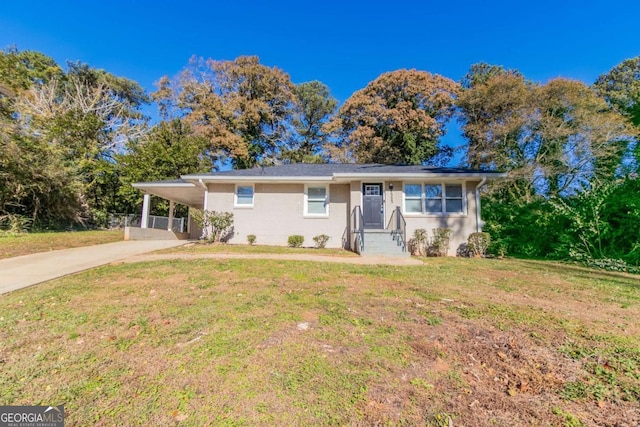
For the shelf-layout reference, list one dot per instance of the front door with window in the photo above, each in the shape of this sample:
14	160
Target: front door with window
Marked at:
372	211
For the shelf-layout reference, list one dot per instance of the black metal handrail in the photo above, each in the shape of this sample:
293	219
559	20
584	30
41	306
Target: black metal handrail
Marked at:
398	227
357	227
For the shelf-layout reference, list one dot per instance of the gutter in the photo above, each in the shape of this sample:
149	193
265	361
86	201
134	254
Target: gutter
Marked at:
143	185
422	176
226	179
478	220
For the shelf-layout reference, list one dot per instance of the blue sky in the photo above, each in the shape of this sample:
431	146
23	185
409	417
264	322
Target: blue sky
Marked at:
344	44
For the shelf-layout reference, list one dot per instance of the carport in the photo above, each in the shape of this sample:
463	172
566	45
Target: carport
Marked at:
190	194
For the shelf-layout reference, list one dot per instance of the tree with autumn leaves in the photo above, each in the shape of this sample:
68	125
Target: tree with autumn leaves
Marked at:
73	139
397	118
551	138
570	154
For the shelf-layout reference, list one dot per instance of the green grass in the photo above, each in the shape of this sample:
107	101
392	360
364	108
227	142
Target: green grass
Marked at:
266	342
204	248
30	243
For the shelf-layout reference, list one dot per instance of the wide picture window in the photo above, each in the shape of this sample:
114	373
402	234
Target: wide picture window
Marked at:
433	198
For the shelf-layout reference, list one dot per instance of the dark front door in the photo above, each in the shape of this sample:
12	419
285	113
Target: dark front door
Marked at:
372	206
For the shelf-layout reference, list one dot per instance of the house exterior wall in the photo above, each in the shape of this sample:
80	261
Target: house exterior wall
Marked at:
461	225
278	212
195	232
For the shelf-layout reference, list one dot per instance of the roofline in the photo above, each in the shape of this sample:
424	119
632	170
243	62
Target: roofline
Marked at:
254	178
142	185
338	176
420	175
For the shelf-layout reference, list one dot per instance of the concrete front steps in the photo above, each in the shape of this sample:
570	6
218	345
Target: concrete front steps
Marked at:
382	243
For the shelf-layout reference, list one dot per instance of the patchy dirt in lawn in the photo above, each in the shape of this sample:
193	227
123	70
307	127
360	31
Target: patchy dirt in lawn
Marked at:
472	374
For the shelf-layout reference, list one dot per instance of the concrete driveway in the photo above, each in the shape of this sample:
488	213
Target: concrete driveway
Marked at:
20	272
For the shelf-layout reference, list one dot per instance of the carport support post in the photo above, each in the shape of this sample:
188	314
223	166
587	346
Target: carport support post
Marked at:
146	204
171	206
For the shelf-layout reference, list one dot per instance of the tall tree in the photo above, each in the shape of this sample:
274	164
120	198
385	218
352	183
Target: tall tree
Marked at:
620	87
33	179
90	115
60	132
314	107
21	70
397	118
241	106
551	138
169	150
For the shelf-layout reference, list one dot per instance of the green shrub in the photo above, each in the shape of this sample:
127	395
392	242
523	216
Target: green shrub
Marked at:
320	241
497	248
478	244
14	224
529	229
417	245
216	226
295	241
439	245
251	238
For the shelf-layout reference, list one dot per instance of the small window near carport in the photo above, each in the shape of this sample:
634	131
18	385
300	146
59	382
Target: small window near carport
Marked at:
316	200
244	196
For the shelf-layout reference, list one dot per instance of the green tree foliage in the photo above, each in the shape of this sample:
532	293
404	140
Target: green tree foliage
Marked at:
521	228
169	150
60	132
242	107
19	71
596	224
314	107
397	118
551	138
603	222
621	88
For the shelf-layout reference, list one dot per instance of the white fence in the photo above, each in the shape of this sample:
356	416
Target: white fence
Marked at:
159	222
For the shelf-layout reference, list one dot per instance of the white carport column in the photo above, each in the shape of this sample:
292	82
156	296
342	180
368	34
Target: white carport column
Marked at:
146	205
171	208
205	206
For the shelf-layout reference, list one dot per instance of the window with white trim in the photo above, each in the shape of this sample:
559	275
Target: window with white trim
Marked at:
316	200
453	198
413	198
244	196
429	198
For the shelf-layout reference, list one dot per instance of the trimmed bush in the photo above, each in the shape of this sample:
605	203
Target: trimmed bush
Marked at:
417	245
320	241
216	226
478	244
251	239
439	245
295	241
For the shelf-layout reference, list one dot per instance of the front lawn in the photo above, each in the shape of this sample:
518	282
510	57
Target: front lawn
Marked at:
266	342
30	243
205	248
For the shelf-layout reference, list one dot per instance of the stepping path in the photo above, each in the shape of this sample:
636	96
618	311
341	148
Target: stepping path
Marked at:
27	270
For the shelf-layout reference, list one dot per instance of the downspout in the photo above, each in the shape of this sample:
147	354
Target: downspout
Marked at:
205	202
206	194
478	220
